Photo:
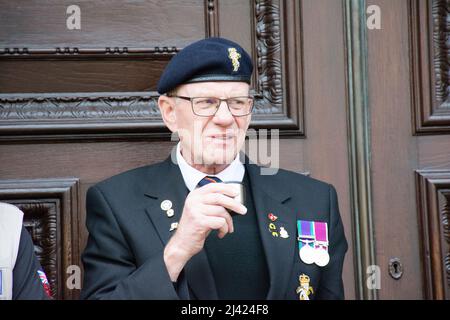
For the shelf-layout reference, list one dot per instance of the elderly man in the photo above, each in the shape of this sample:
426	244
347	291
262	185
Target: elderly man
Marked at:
180	230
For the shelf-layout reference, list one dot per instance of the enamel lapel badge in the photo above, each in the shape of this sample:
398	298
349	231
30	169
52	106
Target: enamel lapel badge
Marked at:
304	289
274	229
313	242
166	206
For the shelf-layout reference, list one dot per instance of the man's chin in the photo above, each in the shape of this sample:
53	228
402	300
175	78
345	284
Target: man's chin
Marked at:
218	157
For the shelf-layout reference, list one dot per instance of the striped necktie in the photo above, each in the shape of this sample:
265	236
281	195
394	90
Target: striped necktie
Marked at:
208	179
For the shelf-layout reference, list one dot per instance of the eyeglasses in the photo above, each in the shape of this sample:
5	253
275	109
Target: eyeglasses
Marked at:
208	106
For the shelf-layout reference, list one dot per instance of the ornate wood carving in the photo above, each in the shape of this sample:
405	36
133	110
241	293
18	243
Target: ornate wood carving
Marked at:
278	80
268	48
61	116
40	219
82	107
83	53
433	195
50	209
430	65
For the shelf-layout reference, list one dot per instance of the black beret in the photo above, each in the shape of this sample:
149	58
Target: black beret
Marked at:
211	59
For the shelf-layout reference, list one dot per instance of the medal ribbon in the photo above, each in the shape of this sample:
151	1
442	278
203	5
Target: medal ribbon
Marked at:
305	233
321	232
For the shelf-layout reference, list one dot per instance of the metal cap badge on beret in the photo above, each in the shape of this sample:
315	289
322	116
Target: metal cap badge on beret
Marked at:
211	59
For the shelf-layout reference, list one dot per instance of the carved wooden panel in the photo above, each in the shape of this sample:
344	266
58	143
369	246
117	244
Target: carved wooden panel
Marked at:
70	85
430	65
433	195
51	211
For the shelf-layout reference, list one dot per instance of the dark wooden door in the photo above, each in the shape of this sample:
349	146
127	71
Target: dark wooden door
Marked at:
79	105
409	90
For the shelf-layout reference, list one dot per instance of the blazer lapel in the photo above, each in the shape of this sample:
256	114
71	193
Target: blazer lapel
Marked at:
170	186
280	252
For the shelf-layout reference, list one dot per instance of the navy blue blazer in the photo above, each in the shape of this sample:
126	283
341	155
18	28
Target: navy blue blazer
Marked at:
128	231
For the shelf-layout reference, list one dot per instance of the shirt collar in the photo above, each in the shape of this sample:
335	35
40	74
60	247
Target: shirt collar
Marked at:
234	172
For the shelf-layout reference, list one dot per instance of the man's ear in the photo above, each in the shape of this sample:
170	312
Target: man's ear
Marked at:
167	108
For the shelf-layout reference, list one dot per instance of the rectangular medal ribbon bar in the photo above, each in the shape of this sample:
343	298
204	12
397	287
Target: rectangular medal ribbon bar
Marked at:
321	233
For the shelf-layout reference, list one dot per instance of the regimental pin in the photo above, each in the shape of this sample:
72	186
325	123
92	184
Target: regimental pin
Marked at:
173	226
170	213
283	233
234	57
273	230
166	205
304	289
272	217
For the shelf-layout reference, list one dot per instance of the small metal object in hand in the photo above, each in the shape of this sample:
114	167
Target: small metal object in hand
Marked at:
241	196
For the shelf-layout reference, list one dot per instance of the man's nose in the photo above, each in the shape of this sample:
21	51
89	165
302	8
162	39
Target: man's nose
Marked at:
223	114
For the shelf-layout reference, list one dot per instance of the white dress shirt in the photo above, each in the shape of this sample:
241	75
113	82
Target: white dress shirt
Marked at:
234	172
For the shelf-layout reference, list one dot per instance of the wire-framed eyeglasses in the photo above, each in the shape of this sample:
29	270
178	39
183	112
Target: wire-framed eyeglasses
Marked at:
208	106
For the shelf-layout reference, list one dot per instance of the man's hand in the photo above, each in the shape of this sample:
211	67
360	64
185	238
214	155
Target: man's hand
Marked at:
205	209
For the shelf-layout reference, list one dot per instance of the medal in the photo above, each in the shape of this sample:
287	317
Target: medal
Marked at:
313	242
45	282
321	256
307	254
306	240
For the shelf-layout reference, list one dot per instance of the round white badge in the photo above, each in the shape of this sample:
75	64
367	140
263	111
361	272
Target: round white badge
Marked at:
170	213
321	257
166	205
307	254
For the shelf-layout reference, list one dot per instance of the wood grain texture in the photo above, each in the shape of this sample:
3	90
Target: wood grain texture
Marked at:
324	152
394	153
112	23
